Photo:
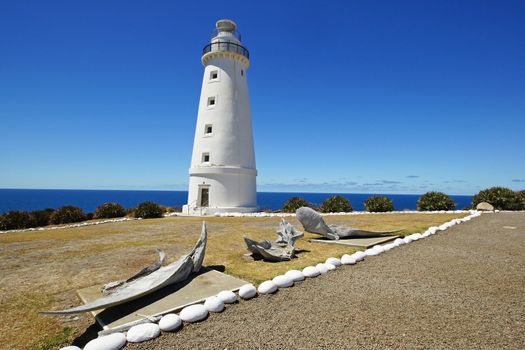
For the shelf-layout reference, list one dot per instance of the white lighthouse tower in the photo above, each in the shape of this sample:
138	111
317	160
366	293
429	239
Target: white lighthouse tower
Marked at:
222	172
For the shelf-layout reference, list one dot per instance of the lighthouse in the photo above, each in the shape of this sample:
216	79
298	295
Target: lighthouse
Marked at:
222	171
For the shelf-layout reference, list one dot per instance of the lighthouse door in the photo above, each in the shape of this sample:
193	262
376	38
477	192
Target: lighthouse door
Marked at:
204	197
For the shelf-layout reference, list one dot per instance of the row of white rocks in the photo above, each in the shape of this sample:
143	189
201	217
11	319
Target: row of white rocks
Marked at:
80	224
264	214
259	214
198	312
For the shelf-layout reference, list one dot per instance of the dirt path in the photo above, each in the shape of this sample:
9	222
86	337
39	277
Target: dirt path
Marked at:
461	289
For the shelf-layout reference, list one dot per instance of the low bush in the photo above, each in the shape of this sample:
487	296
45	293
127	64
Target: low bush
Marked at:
336	204
42	217
16	220
67	214
379	204
165	209
431	201
521	195
294	203
147	210
500	198
109	210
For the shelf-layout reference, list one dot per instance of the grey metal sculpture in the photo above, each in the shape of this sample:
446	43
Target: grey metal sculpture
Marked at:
282	249
148	280
313	222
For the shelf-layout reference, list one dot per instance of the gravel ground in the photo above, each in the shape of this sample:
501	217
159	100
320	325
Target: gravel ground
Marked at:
459	289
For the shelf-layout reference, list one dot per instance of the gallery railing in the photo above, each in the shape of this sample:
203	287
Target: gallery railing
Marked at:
226	46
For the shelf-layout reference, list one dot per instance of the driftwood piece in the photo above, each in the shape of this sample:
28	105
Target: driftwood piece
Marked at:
144	285
313	222
280	250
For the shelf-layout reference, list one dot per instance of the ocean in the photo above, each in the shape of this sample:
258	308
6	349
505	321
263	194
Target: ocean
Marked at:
33	199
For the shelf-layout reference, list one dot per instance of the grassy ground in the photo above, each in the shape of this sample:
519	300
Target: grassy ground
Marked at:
42	270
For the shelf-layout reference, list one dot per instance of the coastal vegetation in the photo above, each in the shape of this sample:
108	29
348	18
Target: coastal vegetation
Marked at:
336	204
501	198
67	214
110	210
432	201
148	210
379	204
294	203
19	219
42	270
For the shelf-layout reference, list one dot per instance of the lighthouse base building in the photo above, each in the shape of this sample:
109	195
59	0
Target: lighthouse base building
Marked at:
223	172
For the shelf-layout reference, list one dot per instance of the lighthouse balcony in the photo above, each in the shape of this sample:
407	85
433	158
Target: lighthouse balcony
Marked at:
226	46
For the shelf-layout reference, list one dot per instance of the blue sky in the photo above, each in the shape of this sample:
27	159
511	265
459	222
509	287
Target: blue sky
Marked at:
349	96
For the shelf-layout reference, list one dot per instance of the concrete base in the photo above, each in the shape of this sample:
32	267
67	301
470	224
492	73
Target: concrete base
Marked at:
203	211
169	299
362	243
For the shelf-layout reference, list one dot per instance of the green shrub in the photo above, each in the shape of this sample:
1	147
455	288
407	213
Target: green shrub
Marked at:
42	217
166	210
379	204
521	196
336	204
109	210
67	214
16	220
294	203
148	210
499	197
431	201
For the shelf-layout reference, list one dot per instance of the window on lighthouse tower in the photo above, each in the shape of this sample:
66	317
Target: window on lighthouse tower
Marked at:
211	101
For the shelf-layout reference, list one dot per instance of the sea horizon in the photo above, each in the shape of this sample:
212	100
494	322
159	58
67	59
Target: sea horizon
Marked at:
88	199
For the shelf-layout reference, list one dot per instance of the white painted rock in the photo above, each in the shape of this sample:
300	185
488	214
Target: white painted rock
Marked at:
247	291
170	322
379	248
399	241
348	259
282	281
387	247
295	275
359	256
444	226
432	230
425	234
214	304
334	261
113	341
330	267
311	271
228	297
372	252
415	236
322	268
193	313
143	332
407	239
72	347
267	287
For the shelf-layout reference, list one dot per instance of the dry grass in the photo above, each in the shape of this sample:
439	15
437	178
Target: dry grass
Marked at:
42	270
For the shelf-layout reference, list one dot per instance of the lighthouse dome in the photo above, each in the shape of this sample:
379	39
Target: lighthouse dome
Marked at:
226	30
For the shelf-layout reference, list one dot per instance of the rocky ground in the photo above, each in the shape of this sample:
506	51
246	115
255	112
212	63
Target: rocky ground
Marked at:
459	289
